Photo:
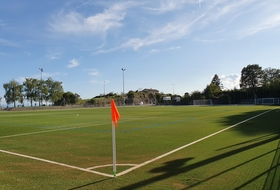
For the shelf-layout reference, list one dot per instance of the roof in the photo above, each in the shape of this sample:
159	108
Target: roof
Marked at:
151	90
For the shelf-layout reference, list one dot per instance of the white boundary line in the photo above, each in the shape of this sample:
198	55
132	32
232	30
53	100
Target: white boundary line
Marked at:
135	166
64	129
56	163
107	165
48	131
182	147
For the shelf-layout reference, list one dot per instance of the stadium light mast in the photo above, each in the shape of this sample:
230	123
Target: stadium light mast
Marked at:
104	89
123	86
41	69
123	78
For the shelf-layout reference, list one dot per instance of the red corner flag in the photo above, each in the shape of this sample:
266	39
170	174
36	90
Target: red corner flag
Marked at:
115	113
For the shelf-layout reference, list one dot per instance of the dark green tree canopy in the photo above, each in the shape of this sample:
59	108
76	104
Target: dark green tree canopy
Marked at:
251	77
212	91
216	80
55	90
270	75
30	89
13	92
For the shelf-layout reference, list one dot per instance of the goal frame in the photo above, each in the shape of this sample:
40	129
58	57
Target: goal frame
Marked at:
268	101
205	102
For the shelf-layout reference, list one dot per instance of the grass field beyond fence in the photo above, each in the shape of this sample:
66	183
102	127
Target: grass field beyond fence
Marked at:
158	147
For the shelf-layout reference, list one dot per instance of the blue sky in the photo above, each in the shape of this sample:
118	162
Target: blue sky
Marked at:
169	45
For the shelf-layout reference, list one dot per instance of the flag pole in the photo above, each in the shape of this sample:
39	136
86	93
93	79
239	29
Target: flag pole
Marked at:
115	117
114	149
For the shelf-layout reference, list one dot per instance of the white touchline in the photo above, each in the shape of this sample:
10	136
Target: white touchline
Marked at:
56	163
64	129
48	131
182	147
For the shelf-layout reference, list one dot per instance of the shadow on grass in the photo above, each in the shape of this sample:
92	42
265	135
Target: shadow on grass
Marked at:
176	167
266	125
263	124
90	184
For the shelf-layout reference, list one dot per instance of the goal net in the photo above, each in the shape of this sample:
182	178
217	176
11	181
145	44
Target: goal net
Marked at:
268	101
207	102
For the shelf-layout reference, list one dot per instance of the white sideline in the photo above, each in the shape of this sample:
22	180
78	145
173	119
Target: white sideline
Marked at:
47	131
64	129
136	166
56	163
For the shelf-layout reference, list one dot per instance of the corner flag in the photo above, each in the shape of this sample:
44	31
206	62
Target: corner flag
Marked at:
115	113
115	117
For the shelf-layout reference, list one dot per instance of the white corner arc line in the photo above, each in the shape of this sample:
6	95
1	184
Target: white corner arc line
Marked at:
56	163
182	147
108	165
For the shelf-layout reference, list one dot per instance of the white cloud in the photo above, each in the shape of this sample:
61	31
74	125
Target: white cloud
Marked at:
221	12
92	72
4	42
230	81
73	63
169	5
75	23
168	49
171	31
54	55
208	41
268	23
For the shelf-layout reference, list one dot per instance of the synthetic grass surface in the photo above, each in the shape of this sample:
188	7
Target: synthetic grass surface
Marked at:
243	157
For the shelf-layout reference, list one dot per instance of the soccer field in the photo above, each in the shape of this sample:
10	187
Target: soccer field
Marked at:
158	147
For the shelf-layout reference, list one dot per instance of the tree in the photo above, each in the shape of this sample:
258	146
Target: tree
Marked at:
270	75
13	92
197	95
217	81
70	98
212	91
251	77
55	90
42	91
31	90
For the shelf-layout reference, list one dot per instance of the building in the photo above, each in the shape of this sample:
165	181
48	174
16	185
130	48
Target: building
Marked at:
150	90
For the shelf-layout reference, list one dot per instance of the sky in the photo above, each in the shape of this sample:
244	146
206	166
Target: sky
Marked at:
174	46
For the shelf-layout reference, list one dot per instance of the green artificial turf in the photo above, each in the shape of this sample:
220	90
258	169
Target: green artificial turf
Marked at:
243	157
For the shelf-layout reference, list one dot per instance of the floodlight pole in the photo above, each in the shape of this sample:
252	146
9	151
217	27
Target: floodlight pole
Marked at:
41	69
123	86
104	89
104	94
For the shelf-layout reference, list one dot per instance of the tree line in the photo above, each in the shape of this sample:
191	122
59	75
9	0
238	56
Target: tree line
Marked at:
34	90
255	82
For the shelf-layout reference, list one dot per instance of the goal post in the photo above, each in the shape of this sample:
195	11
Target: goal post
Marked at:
206	102
268	101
